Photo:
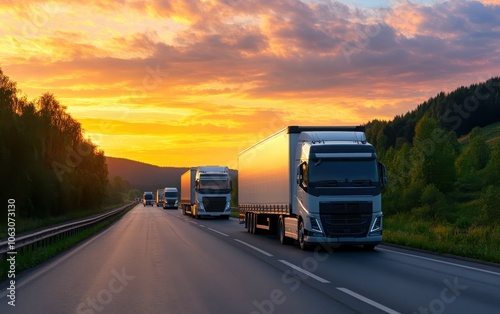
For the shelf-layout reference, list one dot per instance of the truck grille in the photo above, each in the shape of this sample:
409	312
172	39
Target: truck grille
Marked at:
214	204
341	220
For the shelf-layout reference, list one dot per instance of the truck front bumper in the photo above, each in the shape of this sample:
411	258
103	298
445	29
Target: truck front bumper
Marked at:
352	241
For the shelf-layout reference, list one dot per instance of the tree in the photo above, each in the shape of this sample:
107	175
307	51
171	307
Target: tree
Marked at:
432	156
51	168
474	156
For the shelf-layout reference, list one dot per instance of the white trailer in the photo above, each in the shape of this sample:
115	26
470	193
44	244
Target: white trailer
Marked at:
160	198
206	192
317	185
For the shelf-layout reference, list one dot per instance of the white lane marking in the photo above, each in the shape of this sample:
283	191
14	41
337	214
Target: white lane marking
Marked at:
254	247
366	300
297	268
442	262
222	233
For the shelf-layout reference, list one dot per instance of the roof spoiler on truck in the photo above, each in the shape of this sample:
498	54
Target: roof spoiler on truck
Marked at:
299	129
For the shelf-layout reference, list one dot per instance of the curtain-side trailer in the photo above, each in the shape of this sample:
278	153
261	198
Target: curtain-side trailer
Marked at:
317	185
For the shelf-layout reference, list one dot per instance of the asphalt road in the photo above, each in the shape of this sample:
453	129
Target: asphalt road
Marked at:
159	261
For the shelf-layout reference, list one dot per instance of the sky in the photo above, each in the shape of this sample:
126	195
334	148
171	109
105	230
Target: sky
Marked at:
194	82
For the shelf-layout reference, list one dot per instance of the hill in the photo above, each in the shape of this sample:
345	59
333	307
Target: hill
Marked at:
461	110
490	132
147	177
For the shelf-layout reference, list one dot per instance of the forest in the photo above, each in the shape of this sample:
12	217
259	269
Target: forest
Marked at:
47	166
443	163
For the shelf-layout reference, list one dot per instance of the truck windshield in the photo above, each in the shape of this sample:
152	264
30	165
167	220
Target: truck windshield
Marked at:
171	194
148	196
342	172
215	185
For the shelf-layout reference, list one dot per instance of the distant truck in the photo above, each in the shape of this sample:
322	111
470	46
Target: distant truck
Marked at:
160	198
147	199
206	191
317	185
171	198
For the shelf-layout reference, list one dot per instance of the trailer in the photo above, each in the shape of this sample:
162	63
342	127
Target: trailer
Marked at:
316	185
160	198
206	192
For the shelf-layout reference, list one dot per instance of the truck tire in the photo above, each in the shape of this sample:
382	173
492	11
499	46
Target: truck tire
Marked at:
302	244
281	232
255	230
251	223
247	222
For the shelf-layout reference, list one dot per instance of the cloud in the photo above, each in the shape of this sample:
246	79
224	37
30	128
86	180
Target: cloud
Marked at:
233	63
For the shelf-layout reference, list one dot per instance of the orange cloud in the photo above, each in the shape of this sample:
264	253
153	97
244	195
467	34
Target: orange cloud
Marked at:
154	78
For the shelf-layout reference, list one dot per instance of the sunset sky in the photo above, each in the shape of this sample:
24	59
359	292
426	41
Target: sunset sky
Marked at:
194	82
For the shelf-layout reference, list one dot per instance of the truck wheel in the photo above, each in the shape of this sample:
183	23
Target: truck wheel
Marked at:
247	221
255	230
281	232
303	244
251	225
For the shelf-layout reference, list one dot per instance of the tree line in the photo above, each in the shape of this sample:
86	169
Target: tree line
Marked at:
432	175
47	165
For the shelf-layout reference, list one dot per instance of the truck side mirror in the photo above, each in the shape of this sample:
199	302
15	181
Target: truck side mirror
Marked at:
197	185
302	175
382	174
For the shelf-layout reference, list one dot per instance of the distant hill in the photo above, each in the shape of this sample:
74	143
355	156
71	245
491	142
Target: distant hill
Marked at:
146	177
461	110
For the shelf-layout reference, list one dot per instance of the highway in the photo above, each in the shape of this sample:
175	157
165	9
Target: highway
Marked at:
159	261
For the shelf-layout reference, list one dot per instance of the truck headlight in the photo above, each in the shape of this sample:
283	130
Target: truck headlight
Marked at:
315	226
376	228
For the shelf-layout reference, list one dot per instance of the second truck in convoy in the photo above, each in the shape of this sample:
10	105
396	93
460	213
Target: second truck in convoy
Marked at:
206	191
317	185
167	198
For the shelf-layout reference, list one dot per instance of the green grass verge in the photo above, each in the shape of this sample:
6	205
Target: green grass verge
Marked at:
478	242
235	212
30	259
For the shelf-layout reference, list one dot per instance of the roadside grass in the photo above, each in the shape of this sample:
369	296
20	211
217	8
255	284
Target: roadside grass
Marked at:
24	224
29	259
478	242
235	212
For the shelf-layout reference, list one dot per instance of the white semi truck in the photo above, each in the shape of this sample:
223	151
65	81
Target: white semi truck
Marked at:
171	198
206	191
317	185
147	198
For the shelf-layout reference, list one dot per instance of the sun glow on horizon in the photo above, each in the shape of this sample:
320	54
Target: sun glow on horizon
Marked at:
183	83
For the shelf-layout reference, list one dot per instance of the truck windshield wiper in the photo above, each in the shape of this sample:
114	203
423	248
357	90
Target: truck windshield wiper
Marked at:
362	182
324	183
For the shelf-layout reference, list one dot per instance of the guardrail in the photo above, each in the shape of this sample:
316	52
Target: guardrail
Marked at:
44	237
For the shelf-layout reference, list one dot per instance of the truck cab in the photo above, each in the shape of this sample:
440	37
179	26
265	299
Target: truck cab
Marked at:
338	189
